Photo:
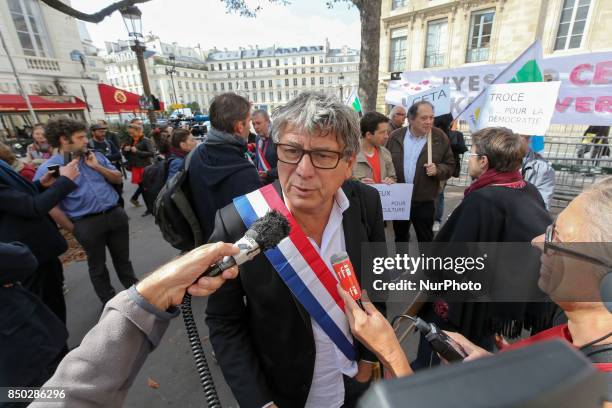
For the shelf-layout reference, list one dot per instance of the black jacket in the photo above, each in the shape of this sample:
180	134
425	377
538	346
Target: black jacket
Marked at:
31	336
261	334
271	158
24	217
218	172
143	155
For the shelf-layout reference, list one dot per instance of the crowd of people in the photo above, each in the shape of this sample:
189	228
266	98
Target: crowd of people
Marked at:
276	338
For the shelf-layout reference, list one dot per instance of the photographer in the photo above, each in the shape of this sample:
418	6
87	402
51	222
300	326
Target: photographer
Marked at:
91	212
101	370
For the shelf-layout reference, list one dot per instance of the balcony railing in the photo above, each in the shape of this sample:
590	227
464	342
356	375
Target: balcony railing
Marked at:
477	54
42	64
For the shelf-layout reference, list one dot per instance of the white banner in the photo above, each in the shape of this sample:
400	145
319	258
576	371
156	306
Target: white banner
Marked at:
438	96
395	199
585	95
524	107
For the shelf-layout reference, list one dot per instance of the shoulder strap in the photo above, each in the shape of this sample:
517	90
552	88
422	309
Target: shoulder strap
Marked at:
599	354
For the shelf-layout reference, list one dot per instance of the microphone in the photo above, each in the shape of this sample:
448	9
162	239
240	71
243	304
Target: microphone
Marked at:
346	275
265	233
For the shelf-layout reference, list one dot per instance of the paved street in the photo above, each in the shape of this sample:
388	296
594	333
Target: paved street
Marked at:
171	365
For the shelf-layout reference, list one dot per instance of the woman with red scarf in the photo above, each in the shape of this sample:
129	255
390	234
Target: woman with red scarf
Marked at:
139	155
499	206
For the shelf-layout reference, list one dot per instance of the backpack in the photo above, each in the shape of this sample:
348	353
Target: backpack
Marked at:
153	179
173	213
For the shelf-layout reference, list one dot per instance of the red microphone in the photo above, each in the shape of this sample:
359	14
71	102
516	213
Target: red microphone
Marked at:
346	275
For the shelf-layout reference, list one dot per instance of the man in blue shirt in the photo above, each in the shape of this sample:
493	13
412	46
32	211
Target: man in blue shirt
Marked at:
91	212
265	149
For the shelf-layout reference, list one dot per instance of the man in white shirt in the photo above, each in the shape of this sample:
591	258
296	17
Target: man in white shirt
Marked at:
271	349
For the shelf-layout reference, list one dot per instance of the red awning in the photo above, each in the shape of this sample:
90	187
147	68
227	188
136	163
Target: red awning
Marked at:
15	103
115	100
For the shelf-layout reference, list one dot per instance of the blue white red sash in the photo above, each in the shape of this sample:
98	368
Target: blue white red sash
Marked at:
301	268
262	163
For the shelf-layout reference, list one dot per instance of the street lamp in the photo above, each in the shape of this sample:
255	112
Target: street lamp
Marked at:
340	81
133	23
171	71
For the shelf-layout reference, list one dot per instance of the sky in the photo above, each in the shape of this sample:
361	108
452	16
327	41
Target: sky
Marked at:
205	22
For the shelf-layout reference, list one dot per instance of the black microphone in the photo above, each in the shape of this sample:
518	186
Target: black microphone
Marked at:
265	233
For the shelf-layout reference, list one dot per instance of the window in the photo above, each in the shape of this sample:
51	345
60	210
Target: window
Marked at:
192	75
303	60
294	71
206	87
437	43
252	64
286	81
395	4
212	67
243	64
321	59
260	64
186	85
30	27
287	95
179	83
279	96
294	81
286	72
269	83
271	95
262	83
229	86
312	60
303	81
330	80
480	36
571	24
227	66
254	96
235	65
321	81
397	53
215	87
222	86
246	85
277	62
312	81
263	96
269	62
220	67
303	70
321	69
279	83
254	84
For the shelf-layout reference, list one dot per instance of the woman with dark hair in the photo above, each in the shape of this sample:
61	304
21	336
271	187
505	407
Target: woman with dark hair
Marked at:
25	170
499	206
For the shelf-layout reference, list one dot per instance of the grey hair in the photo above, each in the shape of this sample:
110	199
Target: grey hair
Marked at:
598	210
317	113
414	109
262	113
396	108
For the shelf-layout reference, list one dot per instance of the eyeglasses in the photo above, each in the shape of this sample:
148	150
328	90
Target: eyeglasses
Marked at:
550	245
321	159
470	154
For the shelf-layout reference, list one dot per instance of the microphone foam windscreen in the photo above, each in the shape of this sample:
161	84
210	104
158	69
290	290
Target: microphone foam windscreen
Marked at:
270	229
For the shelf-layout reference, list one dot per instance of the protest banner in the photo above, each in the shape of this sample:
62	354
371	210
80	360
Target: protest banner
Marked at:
395	200
526	107
585	95
438	96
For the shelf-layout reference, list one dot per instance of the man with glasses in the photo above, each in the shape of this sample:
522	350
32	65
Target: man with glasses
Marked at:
219	169
397	117
270	345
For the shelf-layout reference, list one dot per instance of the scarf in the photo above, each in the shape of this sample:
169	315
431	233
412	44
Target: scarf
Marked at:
13	179
177	152
219	137
511	179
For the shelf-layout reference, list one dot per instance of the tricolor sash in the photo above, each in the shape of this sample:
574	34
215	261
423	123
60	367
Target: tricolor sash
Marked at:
301	268
262	163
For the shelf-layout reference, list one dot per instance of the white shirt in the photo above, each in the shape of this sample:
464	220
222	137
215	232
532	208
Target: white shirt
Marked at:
327	389
412	150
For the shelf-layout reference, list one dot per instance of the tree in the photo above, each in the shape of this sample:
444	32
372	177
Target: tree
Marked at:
369	12
91	18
